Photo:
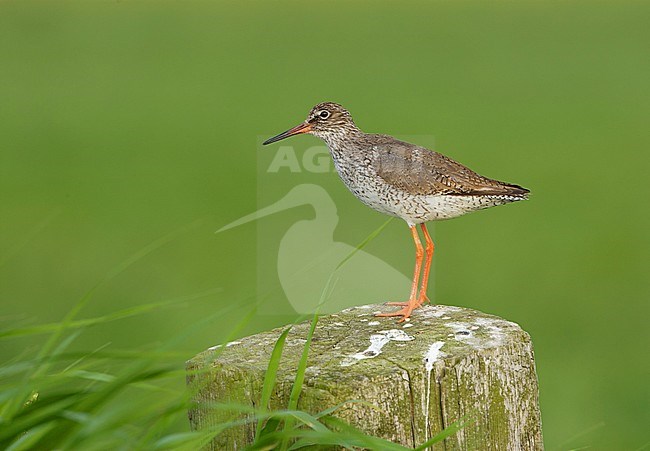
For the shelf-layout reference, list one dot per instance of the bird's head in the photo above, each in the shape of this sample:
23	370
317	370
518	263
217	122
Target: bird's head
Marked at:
327	120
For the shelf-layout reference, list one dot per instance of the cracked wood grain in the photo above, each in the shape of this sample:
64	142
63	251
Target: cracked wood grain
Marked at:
484	369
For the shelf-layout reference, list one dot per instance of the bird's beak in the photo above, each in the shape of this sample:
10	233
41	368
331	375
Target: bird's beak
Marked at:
305	127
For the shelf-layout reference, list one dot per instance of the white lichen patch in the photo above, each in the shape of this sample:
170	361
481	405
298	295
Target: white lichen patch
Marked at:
430	358
233	343
482	333
397	335
432	355
458	326
212	348
495	328
377	342
423	378
493	323
438	311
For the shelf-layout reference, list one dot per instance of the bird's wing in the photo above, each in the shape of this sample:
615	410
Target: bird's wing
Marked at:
418	170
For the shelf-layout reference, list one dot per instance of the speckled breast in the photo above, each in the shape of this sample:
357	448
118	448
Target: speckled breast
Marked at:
361	179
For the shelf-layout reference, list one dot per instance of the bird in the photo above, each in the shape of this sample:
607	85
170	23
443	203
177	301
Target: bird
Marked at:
309	259
404	180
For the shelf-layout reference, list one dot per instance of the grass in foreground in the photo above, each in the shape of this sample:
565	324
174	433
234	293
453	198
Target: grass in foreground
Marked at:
121	400
56	398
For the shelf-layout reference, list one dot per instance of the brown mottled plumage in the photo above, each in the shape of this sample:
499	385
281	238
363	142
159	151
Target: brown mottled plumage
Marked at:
403	180
421	171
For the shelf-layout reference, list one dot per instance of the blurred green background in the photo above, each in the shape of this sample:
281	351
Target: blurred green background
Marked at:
123	122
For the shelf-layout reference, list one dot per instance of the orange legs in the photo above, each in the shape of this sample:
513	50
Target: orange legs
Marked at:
416	300
427	264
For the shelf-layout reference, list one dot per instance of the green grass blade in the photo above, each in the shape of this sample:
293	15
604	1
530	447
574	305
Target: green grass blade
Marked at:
270	376
296	389
154	245
184	441
302	366
36	414
452	429
118	315
30	439
333	409
374	234
52	347
349	436
361	438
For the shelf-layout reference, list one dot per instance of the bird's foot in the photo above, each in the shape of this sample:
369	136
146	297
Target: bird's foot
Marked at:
421	300
399	304
404	313
407	309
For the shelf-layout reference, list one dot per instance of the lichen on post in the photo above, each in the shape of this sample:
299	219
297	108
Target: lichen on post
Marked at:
446	364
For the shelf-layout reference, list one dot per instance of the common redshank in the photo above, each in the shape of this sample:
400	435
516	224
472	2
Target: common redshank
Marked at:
404	180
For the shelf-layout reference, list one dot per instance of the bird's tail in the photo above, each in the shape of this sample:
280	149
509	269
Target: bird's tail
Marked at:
502	189
516	190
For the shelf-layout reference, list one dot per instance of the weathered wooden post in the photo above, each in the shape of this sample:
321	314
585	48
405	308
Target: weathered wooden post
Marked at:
445	364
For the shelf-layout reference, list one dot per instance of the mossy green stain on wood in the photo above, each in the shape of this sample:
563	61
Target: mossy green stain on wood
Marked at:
485	369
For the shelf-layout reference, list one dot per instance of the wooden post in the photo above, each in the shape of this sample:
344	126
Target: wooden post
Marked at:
446	363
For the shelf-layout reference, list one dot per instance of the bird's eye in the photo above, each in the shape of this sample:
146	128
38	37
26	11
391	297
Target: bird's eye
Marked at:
324	114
